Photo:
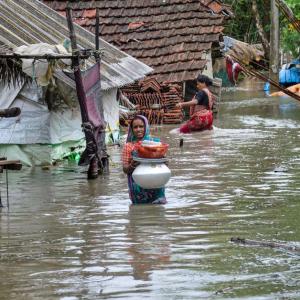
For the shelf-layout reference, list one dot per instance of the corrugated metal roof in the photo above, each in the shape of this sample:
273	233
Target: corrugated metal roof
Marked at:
24	22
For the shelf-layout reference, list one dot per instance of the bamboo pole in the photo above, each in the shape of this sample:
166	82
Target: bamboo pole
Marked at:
46	56
82	99
274	42
265	78
76	66
7	195
97	29
288	14
103	159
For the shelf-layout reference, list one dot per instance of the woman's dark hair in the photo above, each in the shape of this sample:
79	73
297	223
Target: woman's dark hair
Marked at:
204	79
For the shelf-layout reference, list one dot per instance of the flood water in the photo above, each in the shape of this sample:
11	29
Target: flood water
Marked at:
68	238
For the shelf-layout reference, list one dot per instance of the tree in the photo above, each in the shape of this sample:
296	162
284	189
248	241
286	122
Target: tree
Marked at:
290	37
244	25
251	24
259	26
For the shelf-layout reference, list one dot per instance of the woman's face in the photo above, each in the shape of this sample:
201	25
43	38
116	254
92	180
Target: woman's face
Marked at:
201	85
138	128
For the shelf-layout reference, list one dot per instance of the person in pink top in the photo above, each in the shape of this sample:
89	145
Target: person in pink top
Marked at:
201	116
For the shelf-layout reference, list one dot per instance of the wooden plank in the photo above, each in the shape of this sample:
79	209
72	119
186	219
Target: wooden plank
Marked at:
8	162
269	244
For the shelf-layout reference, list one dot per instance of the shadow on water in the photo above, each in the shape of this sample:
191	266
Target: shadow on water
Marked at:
66	238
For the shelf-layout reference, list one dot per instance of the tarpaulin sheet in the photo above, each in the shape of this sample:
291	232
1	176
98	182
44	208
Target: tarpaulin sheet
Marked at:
8	94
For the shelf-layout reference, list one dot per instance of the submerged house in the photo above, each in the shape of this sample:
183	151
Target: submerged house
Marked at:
178	38
49	127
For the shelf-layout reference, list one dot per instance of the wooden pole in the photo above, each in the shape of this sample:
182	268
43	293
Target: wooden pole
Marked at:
97	29
263	77
44	56
274	42
288	14
8	165
104	162
76	66
95	137
260	29
93	163
7	196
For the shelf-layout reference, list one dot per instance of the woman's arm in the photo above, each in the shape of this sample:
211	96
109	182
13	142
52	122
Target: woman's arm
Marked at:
187	104
129	168
128	163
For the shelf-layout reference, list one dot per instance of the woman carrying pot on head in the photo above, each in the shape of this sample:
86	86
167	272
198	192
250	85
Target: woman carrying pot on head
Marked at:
138	130
201	116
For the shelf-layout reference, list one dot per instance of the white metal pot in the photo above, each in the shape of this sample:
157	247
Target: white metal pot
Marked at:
151	175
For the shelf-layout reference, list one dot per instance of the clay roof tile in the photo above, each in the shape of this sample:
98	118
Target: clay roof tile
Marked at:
168	35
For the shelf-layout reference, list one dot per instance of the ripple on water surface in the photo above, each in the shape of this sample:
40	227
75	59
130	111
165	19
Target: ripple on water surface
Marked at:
68	238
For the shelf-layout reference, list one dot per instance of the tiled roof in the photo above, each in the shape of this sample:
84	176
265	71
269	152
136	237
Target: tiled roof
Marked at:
24	22
169	35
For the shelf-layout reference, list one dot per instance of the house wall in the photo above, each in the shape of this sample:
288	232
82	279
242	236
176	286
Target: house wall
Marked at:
39	136
36	124
208	70
111	115
190	88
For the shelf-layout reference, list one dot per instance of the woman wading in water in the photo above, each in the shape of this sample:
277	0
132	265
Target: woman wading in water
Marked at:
138	130
201	116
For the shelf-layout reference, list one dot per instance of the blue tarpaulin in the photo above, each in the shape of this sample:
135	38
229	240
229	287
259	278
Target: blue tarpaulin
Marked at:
290	73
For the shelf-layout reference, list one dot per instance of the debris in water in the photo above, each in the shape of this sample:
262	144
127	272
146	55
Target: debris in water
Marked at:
181	142
280	169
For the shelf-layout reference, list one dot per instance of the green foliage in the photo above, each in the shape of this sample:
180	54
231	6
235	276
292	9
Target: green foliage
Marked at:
290	37
243	26
291	41
294	5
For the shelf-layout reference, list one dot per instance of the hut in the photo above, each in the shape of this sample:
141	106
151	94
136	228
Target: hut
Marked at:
250	54
178	39
49	127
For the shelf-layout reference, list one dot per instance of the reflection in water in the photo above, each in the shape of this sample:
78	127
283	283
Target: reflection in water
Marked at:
68	238
148	247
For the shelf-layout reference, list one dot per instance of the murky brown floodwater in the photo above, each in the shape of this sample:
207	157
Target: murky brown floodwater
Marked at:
66	238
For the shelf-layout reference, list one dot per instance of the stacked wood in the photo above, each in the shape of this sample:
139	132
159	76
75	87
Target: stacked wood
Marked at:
156	101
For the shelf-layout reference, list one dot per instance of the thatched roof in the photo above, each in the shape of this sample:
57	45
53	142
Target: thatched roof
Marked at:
11	69
243	51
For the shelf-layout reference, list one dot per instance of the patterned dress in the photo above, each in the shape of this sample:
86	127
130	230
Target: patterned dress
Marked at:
137	194
201	114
